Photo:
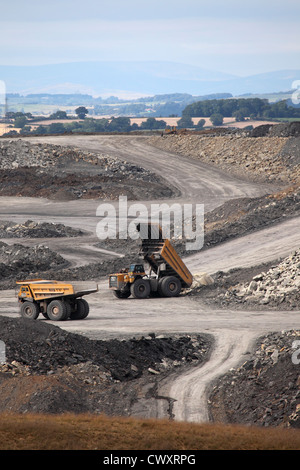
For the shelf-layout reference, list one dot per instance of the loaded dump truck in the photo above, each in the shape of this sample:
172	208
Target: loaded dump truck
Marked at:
167	275
55	300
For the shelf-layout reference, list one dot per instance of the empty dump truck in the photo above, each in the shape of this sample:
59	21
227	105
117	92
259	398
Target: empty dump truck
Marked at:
167	275
54	299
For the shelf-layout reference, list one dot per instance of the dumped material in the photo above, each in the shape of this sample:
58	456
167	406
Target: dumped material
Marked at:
64	173
33	229
52	371
279	285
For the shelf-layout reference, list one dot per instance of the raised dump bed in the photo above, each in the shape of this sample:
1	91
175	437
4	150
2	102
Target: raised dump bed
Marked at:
56	300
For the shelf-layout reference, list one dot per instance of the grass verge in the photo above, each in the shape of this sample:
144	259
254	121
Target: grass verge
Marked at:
89	432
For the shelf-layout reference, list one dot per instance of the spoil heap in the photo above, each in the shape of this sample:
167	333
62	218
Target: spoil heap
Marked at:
65	173
49	370
265	390
279	286
33	229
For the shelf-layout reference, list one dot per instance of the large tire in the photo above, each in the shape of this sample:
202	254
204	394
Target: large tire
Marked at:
159	289
170	286
82	310
57	310
122	294
30	310
140	289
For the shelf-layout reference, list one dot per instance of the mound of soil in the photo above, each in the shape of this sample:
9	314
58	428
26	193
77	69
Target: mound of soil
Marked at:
18	261
245	215
31	229
268	286
265	390
268	153
57	172
50	370
238	217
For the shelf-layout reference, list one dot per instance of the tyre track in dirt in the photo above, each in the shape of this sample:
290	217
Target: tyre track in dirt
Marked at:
189	391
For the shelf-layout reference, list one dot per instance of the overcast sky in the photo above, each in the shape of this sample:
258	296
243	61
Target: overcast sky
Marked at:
236	37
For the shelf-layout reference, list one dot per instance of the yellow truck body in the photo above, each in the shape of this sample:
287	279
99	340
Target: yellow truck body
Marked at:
56	300
170	256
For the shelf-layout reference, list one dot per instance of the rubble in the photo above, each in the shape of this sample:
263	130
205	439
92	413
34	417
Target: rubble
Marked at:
264	390
33	229
270	158
50	370
279	286
238	217
66	173
20	261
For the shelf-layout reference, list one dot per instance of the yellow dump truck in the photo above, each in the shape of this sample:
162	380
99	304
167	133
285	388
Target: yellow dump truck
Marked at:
54	299
167	275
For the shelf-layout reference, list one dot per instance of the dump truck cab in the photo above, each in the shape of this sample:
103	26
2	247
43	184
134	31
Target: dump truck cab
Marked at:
121	282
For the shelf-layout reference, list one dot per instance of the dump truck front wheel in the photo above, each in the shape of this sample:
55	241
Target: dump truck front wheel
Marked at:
122	294
140	289
170	286
57	310
30	310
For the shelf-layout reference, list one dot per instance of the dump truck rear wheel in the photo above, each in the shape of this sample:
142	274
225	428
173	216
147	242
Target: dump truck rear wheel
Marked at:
140	289
69	309
159	289
57	310
82	310
30	310
170	286
121	294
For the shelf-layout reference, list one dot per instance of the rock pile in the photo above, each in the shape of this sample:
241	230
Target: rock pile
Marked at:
18	260
33	229
21	153
50	370
57	172
265	390
279	285
260	159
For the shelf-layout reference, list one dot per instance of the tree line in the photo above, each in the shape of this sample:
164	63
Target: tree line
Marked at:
240	108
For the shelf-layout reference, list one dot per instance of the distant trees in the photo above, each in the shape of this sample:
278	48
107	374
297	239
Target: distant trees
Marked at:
81	112
20	121
185	122
59	115
200	124
56	128
151	124
240	108
41	130
216	119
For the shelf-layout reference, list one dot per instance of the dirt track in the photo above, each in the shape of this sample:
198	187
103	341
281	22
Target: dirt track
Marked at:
198	182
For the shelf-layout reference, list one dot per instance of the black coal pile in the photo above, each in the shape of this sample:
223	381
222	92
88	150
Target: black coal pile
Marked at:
44	347
50	370
19	261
